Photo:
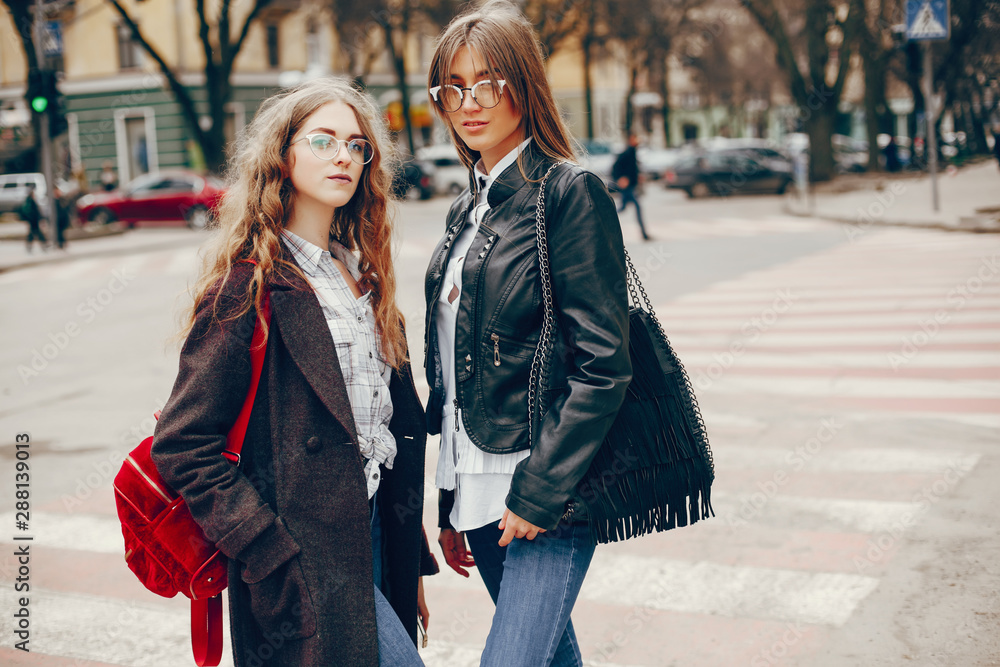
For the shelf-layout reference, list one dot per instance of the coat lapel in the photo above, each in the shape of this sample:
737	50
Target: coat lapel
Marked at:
307	337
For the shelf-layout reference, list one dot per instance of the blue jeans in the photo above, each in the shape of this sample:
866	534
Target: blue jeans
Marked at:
534	584
395	648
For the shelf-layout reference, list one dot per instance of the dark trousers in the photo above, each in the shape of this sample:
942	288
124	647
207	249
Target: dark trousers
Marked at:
628	196
35	232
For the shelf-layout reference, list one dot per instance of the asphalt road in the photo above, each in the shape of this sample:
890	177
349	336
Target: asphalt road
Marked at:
851	388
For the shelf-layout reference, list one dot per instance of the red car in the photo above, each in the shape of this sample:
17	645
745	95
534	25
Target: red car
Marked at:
166	196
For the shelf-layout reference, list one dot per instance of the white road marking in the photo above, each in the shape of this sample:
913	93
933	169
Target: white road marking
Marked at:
847	387
106	630
871	460
832	361
806	513
82	532
711	588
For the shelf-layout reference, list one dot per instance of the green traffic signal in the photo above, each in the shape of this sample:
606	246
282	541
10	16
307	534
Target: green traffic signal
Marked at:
40	104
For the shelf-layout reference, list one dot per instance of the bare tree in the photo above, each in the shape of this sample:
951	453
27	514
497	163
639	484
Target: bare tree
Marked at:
221	45
818	36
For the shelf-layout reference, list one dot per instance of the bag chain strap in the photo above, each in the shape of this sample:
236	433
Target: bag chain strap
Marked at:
638	299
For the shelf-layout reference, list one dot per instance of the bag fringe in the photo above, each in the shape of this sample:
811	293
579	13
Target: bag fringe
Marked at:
654	471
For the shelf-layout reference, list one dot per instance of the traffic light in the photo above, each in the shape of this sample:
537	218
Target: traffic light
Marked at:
37	94
44	98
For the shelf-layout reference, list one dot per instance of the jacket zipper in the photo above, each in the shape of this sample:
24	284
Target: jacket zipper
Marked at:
496	349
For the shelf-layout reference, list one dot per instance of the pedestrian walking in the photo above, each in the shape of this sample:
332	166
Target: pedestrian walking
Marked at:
996	144
507	495
625	172
327	499
32	215
892	163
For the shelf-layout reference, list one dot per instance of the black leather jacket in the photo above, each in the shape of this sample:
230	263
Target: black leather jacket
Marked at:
499	323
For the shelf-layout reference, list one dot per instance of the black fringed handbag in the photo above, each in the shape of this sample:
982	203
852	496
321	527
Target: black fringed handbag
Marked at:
654	470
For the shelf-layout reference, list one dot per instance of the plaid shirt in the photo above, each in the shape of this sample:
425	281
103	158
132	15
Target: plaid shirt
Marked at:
352	325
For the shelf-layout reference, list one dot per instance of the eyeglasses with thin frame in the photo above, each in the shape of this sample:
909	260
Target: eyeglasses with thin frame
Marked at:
326	147
484	93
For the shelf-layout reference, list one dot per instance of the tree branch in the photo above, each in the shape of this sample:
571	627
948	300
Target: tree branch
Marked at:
179	91
768	18
257	7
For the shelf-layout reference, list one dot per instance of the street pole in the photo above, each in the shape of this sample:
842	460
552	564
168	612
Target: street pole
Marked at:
930	114
43	127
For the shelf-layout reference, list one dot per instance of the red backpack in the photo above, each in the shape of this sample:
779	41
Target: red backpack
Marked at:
164	546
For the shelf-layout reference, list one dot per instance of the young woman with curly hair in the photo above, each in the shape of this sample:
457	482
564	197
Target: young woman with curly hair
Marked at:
323	568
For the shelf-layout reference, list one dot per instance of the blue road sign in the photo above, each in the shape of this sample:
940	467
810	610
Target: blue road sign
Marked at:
928	19
52	42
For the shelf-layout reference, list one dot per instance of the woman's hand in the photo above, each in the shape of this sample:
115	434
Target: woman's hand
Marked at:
456	554
514	526
423	614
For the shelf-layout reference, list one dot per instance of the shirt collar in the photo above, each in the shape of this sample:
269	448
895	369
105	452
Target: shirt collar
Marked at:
484	180
309	255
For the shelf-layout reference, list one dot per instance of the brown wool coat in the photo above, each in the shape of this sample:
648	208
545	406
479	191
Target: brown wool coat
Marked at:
294	516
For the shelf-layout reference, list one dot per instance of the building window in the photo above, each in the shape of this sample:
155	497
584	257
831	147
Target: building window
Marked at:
313	46
129	50
273	55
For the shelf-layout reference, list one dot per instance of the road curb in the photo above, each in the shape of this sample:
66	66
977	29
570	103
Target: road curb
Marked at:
57	257
975	225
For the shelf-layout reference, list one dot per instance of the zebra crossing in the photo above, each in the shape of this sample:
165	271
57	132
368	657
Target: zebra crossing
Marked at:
817	486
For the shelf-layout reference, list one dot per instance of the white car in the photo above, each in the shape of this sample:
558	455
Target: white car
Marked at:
14	190
450	175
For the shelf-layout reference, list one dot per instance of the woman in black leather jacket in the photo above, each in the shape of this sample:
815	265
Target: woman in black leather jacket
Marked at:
515	501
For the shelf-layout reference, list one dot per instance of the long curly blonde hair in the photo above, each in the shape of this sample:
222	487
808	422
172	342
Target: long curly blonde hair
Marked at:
259	199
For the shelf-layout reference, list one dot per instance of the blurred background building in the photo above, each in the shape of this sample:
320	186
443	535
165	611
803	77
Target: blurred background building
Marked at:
156	84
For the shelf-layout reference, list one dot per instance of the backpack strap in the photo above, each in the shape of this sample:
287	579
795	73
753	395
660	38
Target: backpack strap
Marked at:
206	631
206	614
258	347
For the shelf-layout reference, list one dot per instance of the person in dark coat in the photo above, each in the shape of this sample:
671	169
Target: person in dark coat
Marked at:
32	215
626	174
321	520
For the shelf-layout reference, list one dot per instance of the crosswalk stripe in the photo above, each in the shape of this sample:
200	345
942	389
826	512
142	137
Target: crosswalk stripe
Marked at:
831	361
865	516
709	588
851	387
83	532
131	633
868	459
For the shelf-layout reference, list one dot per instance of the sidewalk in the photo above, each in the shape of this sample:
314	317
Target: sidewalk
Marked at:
969	200
14	256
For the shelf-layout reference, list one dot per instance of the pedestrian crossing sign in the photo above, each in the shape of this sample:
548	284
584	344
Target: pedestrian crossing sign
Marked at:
927	20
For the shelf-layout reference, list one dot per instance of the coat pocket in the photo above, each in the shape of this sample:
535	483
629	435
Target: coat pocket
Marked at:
281	603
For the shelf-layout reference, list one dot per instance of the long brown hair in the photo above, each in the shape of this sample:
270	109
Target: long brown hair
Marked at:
501	35
260	196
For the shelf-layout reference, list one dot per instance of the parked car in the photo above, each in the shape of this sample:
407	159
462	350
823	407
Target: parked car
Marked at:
450	174
850	154
654	162
599	156
414	180
730	171
162	197
14	190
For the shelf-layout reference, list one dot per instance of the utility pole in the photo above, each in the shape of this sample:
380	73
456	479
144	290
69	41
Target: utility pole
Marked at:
930	114
43	125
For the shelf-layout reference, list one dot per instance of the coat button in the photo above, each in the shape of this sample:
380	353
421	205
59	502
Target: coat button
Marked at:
375	475
313	445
